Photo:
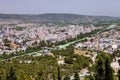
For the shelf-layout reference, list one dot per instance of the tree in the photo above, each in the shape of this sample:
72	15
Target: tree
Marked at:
108	70
99	71
1	77
11	75
76	76
40	76
66	78
53	76
59	77
119	61
68	60
22	76
118	74
91	77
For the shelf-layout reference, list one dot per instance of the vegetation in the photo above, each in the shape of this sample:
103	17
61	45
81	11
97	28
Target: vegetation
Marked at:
66	78
108	70
46	67
99	73
23	69
102	69
11	75
76	76
59	75
59	19
118	74
43	67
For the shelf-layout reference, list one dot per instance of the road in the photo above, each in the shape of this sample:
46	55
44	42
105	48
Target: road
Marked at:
61	46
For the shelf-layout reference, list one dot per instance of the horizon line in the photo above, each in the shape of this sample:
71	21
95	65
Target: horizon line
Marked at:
54	13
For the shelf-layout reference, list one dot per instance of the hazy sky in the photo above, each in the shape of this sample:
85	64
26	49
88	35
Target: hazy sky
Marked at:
87	7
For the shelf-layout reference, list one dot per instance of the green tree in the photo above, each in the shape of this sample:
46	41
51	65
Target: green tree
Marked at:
99	71
40	76
68	60
1	77
108	70
118	74
11	75
76	76
53	76
91	77
66	78
59	76
22	75
119	61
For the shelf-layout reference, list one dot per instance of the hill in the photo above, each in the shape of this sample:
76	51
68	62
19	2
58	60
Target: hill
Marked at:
56	18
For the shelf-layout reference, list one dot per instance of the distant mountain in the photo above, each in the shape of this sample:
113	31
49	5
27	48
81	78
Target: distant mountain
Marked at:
56	18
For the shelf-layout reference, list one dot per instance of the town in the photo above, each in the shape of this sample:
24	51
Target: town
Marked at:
108	41
14	38
76	54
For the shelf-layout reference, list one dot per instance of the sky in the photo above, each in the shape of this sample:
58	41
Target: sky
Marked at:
83	7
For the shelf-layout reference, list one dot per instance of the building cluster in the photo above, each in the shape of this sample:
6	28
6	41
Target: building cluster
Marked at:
18	37
108	41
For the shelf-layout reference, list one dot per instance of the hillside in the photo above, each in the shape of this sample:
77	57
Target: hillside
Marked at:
56	18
